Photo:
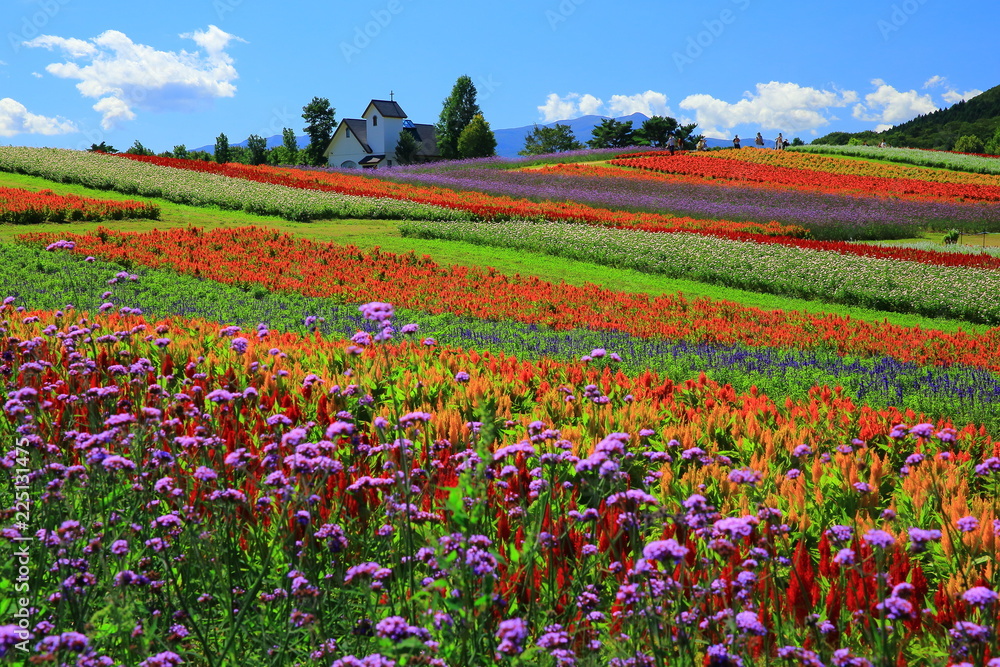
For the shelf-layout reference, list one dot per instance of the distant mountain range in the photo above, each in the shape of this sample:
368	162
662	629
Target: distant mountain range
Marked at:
510	140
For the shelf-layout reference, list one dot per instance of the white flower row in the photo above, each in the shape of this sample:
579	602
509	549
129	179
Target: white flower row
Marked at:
893	285
915	156
106	172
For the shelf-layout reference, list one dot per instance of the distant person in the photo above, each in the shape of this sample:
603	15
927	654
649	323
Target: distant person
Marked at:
779	143
736	142
759	141
702	144
671	143
882	144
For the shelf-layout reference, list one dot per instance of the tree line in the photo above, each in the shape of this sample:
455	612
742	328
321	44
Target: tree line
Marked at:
461	131
611	133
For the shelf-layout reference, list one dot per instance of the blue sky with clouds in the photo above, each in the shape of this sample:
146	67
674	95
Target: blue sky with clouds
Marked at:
76	72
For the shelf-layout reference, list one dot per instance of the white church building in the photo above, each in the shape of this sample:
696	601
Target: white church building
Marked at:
370	141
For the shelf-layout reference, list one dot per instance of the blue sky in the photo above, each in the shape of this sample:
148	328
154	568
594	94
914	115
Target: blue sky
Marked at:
76	72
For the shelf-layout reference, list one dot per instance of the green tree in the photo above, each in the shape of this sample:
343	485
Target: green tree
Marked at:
654	131
543	140
202	156
612	134
992	146
138	149
477	139
686	138
969	144
222	148
102	148
181	152
407	148
798	142
239	154
457	112
320	120
257	149
291	145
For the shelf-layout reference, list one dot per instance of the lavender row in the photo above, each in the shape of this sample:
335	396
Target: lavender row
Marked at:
827	216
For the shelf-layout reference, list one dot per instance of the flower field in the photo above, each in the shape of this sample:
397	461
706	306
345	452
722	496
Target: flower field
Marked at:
489	207
818	173
953	291
105	172
980	164
827	215
23	207
237	444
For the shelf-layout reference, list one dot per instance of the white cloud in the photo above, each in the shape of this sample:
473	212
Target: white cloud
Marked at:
560	108
573	105
935	81
73	47
950	96
113	111
953	96
16	119
888	105
124	76
650	103
786	107
590	105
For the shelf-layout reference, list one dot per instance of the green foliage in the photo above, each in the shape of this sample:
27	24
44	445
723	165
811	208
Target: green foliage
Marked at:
288	152
222	148
257	149
969	144
993	145
612	133
457	111
407	148
545	140
687	139
291	146
181	152
655	130
320	120
239	154
798	142
951	238
477	139
138	149
102	148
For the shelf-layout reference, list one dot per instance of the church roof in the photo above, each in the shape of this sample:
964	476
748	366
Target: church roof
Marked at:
387	108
